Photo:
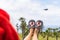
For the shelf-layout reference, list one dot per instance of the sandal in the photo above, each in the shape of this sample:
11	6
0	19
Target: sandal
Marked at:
31	24
39	25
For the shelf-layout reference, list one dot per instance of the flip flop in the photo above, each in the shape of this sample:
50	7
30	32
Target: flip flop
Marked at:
39	24
31	24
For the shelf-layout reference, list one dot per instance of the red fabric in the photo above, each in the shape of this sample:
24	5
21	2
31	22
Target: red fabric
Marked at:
4	13
1	33
7	32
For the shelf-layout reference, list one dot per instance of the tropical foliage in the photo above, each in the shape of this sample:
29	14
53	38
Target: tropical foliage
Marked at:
49	34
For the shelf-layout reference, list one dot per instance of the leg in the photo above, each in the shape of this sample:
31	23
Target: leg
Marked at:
29	36
35	34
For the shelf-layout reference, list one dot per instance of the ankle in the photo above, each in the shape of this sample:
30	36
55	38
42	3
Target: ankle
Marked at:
36	31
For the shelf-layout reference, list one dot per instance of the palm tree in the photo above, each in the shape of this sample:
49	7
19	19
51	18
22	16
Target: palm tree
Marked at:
56	33
43	34
23	26
17	27
48	33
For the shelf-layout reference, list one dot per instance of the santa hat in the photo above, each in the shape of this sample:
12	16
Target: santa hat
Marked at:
4	13
9	31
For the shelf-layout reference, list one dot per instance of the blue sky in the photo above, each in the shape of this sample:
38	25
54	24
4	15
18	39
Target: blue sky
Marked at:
33	9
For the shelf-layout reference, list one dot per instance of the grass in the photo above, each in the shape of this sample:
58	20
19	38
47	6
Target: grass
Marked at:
41	38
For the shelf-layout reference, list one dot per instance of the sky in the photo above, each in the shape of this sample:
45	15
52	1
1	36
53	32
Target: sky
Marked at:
33	9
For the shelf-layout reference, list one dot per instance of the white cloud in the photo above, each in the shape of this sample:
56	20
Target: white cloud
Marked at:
31	10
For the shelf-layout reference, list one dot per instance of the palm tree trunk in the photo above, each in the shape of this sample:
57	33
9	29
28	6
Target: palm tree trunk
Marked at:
56	38
23	34
47	37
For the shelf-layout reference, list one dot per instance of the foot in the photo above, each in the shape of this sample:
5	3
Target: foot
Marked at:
31	31
36	31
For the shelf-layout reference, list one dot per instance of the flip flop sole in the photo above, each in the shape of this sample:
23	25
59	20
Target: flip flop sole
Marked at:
31	24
